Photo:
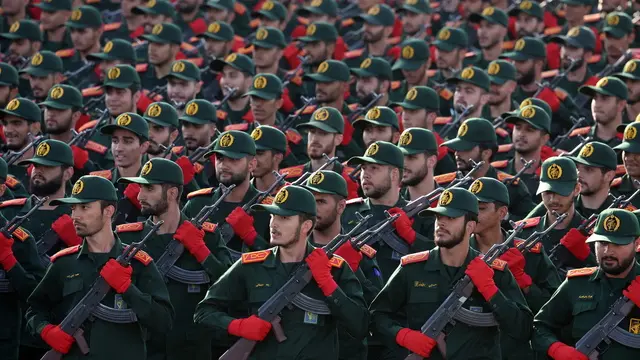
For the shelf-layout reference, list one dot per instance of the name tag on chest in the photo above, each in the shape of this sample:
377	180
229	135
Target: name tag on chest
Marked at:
193	288
310	318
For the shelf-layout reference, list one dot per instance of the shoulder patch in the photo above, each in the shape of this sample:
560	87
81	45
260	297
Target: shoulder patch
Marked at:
499	264
620	170
445	94
502	176
177	149
589	18
395	85
200	192
505	148
560	94
414	258
594	59
88	125
221	114
508	45
209	227
111	27
20	234
432	72
102	173
267	200
130	227
255	256
92	91
442	120
65	53
198	167
12	182
580	131
309	110
581	272
96	147
616	182
294	171
64	252
336	261
13	202
357	200
536	249
500	164
143	257
353	53
347	22
142	67
238	127
502	132
553	30
293	136
445	178
371	252
530	222
353	107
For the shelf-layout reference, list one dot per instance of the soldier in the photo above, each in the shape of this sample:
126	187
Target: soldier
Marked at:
231	12
581	301
377	29
183	83
25	41
420	151
578	46
574	13
417	19
529	19
379	124
115	52
190	18
293	216
502	75
163	128
86	29
130	25
21	121
8	84
272	14
10	188
155	12
54	15
164	44
271	146
624	185
237	73
618	37
44	71
320	44
426	278
12	12
373	77
492	31
631	76
450	49
267	50
596	166
219	41
161	186
138	287
413	63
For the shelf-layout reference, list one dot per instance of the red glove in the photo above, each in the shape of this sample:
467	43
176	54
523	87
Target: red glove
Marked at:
252	328
321	270
575	242
116	275
193	240
352	188
59	340
188	170
80	157
550	97
632	292
131	193
242	225
516	262
482	277
403	225
560	351
63	226
7	259
415	341
546	153
351	255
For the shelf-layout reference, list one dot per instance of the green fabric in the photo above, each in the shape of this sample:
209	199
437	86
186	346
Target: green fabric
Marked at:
329	71
23	108
269	138
609	86
321	7
373	67
618	24
473	132
272	10
63	97
416	141
327	182
381	15
85	17
455	202
165	33
417	6
24	29
237	61
472	75
420	97
8	75
157	171
184	70
382	153
531	8
156	7
580	37
88	189
265	86
220	31
532	115
597	154
122	76
413	54
269	37
450	38
558	175
617	226
234	144
51	153
289	201
163	114
130	122
44	63
116	49
379	116
489	190
526	48
492	15
501	71
630	140
199	111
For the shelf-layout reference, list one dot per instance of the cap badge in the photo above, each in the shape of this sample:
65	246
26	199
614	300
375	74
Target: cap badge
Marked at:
77	187
445	198
554	172
282	196
611	223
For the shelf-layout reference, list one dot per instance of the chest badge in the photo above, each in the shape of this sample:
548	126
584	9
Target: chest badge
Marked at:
634	326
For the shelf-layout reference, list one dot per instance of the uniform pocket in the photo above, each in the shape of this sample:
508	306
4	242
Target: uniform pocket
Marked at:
71	286
422	303
584	317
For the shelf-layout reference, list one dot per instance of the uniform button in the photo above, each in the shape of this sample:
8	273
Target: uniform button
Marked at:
336	301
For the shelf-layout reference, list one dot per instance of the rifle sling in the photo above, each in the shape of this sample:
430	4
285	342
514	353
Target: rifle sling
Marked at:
393	241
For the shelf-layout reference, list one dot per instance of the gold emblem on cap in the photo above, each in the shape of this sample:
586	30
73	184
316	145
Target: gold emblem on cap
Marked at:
406	138
630	66
36	60
412	94
311	29
13	104
260	82
611	223
157	29
467	73
178	66
528	112
526	102
57	92
113	73
316	178
262	34
214	28
602	82
231	58
282	196
14	27
123	120
488	11
321	115
444	34
365	63
324	66
372	150
192	109
373	114
476	187
445	198
411	2
526	5
630	133
493	69
613	20
77	187
43	149
226	140
574	31
374	10
586	151
146	169
154	110
462	131
151	3
256	134
76	15
519	45
554	172
316	3
407	52
107	47
267	5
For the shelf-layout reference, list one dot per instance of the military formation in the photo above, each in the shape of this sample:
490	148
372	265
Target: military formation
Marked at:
322	179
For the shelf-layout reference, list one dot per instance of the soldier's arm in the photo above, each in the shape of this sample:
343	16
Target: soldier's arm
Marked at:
347	302
510	307
219	260
552	317
390	302
522	202
43	300
545	282
261	224
28	271
370	278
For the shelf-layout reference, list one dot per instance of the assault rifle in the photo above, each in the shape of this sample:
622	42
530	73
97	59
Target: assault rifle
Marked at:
525	166
291	74
12	156
556	80
230	92
555	144
290	120
82	138
457	118
362	110
305	176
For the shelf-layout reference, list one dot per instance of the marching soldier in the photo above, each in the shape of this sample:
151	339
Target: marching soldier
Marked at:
155	12
237	75
379	124
9	82
492	31
271	148
231	12
631	76
378	26
189	17
183	83
373	77
55	13
578	46
130	26
417	19
272	14
450	49
21	121
86	29
44	71
219	42
618	36
624	185
420	151
413	63
319	43
529	19
10	188
596	166
25	41
114	52
164	44
502	75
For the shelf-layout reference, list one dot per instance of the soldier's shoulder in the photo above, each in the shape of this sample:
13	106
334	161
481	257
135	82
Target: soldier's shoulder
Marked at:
445	178
111	27
414	258
92	91
21	234
354	201
530	222
65	53
255	256
201	192
573	273
293	171
143	257
12	182
130	227
65	252
353	54
502	176
537	249
580	131
102	173
336	261
615	183
13	202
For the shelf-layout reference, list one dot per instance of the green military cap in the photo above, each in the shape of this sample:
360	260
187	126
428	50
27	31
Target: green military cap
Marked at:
373	67
327	182
237	61
272	10
379	116
162	114
44	63
531	8
609	86
24	29
558	175
131	122
525	49
381	153
220	4
617	226
85	17
4	171
449	39
580	37
157	171
492	15
473	132
501	71
320	31
618	24
269	138
420	97
55	5
165	33
454	202
414	53
329	71
199	111
319	7
631	70
532	115
234	144
24	109
269	37
291	200
380	14
184	70
536	102
630	140
577	2
122	77
8	75
597	154
89	188
219	31
116	49
155	7
472	75
63	97
265	86
51	153
489	190
416	6
326	119
417	141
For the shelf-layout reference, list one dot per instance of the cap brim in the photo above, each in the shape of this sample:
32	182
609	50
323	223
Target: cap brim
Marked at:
516	55
564	188
409	65
592	90
56	105
440	210
409	106
141	10
12	36
213	36
319	78
138	180
629	147
445	46
513	119
458	144
155	39
582	161
109	129
41	161
193	120
117	84
415	10
306	10
227	153
266	45
262	94
406	151
618	240
357	160
157	121
497	80
266	14
37	71
362	73
274	209
74	25
368	19
626	76
616	33
100	56
71	201
363	122
321	191
179	76
317	125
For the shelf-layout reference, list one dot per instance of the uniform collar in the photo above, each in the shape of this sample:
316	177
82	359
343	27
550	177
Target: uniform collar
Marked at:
115	251
274	259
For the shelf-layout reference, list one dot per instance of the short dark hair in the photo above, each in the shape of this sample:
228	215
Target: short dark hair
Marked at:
499	204
304	217
492	147
470	217
165	188
105	203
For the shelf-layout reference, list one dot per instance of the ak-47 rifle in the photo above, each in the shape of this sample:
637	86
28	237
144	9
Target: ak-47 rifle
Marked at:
12	156
525	166
290	120
457	118
157	90
353	175
80	313
362	110
199	152
291	74
556	80
574	151
230	92
82	138
555	144
329	162
581	99
68	75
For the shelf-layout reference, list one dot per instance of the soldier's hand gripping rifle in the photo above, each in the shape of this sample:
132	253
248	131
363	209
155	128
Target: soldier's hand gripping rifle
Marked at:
329	162
556	80
270	310
12	156
291	74
82	138
291	119
457	118
555	144
82	310
525	166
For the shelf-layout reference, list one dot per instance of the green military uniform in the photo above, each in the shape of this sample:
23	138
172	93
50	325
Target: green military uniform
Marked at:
631	144
227	116
164	33
80	72
616	25
448	39
27	110
217	31
371	67
269	138
599	155
377	15
42	64
71	274
116	49
24	30
242	19
316	32
580	37
13	188
54	6
493	16
120	30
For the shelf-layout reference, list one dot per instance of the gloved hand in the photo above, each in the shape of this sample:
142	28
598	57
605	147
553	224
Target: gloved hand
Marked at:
80	157
632	292
482	277
321	270
560	351
131	193
188	170
63	226
252	328
352	188
116	275
193	240
516	262
545	153
575	242
550	97
242	225
7	259
59	340
415	341
350	255
403	225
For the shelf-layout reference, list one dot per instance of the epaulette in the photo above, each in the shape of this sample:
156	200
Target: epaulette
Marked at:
102	173
353	107
414	258
432	72
205	191
336	261
581	272
590	18
302	20
238	127
198	167
66	251
508	45
209	227
620	170
13	202
442	120
130	227
221	114
505	148
255	256
561	94
502	132
93	91
502	176
88	125
254	23
12	182
553	30
347	22
500	164
111	27
368	251
65	53
293	136
357	200
293	171
177	149
239	8
594	59
96	147
353	54
445	94
445	178
143	257
580	131
394	40
550	74
614	183
194	39
530	222
309	110
142	67
499	264
20	234
536	249
395	85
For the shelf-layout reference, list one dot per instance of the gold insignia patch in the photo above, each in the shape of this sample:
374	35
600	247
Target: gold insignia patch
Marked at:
123	120
146	169
77	187
282	196
43	149
611	223
586	151
445	198
317	178
192	109
226	140
476	187
260	82
372	150
554	172
256	134
405	138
